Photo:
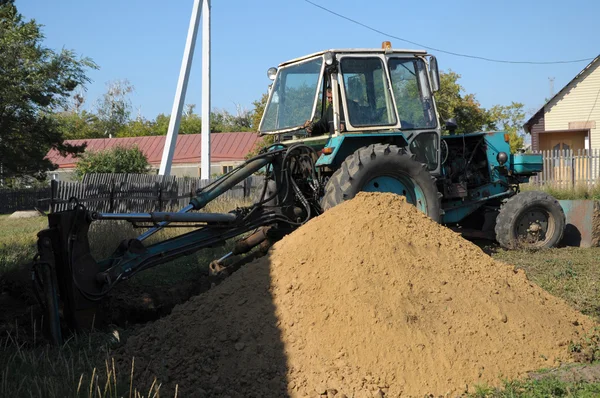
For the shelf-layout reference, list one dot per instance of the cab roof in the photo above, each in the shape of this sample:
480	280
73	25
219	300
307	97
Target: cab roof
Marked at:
357	51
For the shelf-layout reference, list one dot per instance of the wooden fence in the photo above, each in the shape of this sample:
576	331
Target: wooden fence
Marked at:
568	168
144	193
120	193
12	200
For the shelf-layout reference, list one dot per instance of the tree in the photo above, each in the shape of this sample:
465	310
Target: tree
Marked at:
140	127
78	125
222	121
114	160
510	119
453	103
259	109
114	108
34	81
257	113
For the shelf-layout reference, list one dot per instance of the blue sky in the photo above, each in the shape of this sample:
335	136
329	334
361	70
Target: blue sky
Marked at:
143	41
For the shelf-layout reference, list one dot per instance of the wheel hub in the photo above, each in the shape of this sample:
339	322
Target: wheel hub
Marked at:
532	227
400	185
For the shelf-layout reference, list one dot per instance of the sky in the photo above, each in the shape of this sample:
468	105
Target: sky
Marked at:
143	41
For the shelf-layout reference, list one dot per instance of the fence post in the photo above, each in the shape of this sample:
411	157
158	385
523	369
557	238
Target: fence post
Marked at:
111	199
572	168
53	191
159	187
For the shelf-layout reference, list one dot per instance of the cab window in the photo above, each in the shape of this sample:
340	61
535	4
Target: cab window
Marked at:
366	92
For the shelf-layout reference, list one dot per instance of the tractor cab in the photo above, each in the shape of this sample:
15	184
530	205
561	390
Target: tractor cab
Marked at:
378	96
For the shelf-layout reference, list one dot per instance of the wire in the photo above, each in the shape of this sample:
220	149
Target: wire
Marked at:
502	61
593	106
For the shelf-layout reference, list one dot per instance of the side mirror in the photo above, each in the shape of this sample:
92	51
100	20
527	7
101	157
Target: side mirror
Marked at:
434	74
451	125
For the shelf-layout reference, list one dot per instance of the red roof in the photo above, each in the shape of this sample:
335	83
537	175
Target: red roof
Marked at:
223	147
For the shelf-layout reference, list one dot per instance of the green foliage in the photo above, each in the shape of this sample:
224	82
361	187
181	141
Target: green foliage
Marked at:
452	102
510	118
225	122
17	240
34	81
115	160
545	387
190	123
162	124
75	126
140	128
114	108
259	109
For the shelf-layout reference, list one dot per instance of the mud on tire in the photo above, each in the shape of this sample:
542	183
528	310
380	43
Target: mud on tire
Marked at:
379	167
530	220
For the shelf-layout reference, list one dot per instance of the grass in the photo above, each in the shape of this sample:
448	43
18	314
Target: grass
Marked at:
580	191
70	370
82	367
17	240
548	387
570	273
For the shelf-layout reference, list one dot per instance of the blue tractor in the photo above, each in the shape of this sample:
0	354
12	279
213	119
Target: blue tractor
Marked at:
383	134
380	133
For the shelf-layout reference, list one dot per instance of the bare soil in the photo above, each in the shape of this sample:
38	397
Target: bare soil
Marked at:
370	299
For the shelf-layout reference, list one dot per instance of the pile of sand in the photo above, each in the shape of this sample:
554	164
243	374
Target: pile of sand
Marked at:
370	299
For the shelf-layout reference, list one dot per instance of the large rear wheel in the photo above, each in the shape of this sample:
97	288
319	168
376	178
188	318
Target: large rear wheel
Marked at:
530	220
384	168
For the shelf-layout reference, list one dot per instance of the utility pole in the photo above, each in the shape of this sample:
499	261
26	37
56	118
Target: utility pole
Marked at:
205	155
200	6
551	80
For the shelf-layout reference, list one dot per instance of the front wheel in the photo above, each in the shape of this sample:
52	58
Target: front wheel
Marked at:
384	168
530	220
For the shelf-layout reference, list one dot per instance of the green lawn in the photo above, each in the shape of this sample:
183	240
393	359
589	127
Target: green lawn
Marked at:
18	240
570	273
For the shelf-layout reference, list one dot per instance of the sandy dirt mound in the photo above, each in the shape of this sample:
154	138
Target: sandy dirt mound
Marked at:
370	299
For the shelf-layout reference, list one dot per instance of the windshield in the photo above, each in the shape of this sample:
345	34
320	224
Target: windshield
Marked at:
411	90
292	100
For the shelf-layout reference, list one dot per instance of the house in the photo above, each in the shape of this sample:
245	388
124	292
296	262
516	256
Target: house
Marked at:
227	150
571	119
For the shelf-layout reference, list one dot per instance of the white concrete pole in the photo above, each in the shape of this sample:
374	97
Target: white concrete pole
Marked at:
205	155
184	74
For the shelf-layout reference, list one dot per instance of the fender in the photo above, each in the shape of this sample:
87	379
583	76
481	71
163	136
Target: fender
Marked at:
342	146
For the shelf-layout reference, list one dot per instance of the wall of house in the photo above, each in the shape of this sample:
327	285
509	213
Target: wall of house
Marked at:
193	169
535	128
574	109
575	140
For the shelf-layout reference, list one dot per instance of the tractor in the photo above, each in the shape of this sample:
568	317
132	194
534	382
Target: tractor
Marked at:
382	134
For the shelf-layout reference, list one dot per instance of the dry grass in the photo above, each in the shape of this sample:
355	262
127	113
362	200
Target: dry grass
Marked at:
81	367
70	370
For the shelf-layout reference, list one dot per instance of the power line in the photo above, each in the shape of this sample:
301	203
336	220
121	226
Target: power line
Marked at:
502	61
593	106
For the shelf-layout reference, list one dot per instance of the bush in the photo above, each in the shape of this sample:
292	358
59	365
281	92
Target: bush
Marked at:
114	160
